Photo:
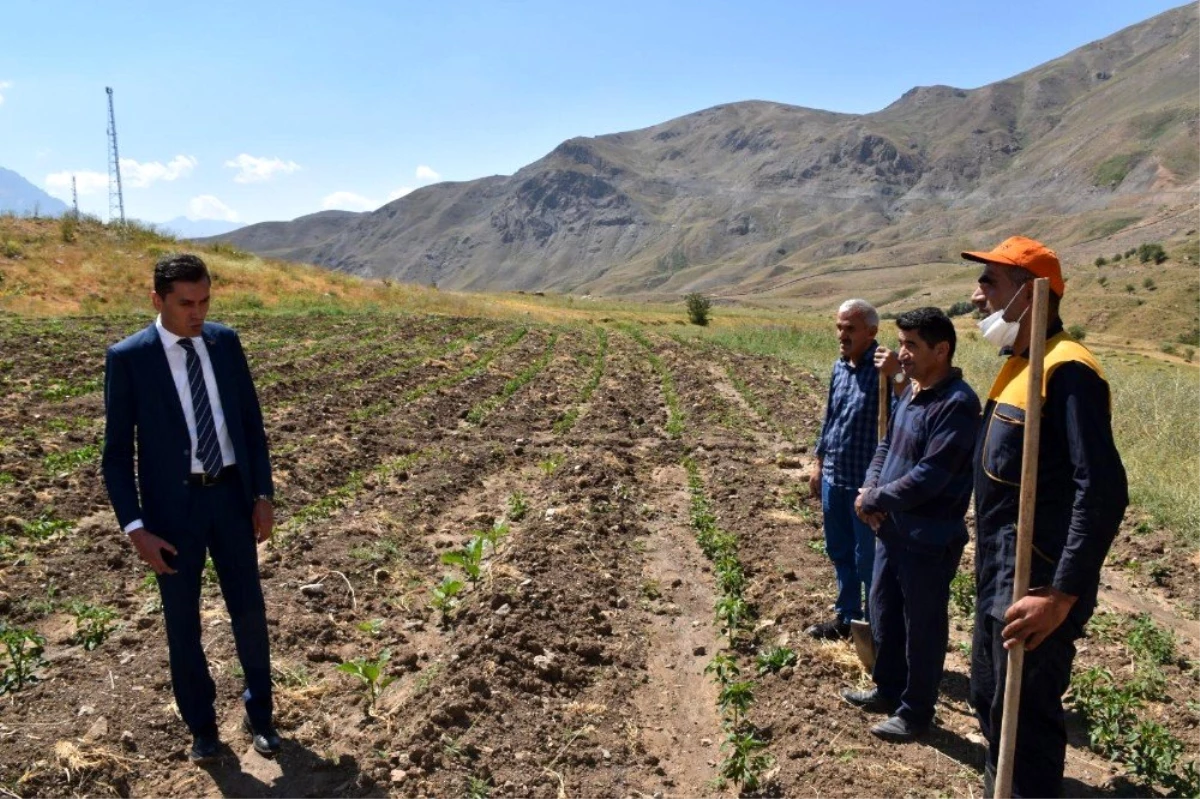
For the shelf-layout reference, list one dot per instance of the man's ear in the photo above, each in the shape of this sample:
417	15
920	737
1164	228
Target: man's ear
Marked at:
157	300
942	348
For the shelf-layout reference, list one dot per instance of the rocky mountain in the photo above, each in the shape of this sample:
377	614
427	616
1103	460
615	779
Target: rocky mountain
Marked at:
185	228
760	197
19	196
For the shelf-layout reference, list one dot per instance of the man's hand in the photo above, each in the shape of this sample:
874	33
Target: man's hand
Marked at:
1035	616
872	520
814	480
263	517
886	362
150	548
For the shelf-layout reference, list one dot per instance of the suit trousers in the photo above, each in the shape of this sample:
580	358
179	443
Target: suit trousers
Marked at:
910	593
219	524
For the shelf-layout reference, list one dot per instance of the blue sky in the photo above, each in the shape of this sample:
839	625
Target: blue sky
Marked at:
251	111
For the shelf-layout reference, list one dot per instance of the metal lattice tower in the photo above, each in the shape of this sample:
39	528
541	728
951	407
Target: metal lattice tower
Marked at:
74	198
116	198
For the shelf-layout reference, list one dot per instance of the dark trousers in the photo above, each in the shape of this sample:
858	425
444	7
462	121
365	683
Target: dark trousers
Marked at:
220	525
850	544
910	593
1041	724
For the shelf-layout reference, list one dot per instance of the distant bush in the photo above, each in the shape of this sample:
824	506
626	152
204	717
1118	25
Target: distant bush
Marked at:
1102	280
698	307
1129	288
1101	261
1148	283
959	308
66	226
230	251
1116	257
11	249
1151	252
1077	332
1130	252
1191	337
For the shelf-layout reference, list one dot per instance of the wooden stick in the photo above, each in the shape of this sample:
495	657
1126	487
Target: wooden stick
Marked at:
884	401
1025	514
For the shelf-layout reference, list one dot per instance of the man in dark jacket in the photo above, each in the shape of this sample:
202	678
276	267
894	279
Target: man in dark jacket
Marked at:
1081	496
181	391
915	498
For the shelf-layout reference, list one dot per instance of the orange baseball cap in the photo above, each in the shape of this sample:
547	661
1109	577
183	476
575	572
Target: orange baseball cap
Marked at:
1027	254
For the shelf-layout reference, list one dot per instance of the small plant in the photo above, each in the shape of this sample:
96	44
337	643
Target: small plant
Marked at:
518	506
371	627
772	660
1149	284
1102	280
1077	332
11	249
93	623
733	611
744	765
469	558
44	526
478	787
735	699
962	593
23	651
723	668
494	534
549	465
698	308
1101	260
817	545
66	227
371	673
445	596
1148	641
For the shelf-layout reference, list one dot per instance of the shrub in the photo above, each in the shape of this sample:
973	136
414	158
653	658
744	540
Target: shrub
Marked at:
1151	252
11	249
1116	257
960	308
1101	261
67	226
698	307
1077	332
1102	280
1148	283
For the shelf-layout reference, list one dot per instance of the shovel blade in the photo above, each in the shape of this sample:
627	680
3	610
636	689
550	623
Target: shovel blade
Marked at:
864	643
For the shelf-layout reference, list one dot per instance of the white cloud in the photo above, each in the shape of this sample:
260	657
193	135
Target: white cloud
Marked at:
426	174
257	170
206	206
400	192
86	181
136	175
348	201
4	84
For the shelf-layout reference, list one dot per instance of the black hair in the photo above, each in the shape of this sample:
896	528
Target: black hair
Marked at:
931	324
178	267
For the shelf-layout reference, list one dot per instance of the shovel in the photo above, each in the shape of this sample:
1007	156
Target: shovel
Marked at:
860	631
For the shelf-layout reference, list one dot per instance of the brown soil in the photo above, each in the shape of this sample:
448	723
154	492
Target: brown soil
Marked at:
573	667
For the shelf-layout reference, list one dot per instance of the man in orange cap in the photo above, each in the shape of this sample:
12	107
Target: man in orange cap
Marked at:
1081	496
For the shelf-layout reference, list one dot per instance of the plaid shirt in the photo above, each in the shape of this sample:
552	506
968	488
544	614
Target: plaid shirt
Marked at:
850	431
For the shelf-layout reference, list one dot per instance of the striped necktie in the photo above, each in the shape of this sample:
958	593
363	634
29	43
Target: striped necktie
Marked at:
207	450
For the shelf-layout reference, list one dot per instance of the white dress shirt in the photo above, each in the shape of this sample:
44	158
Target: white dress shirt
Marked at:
177	360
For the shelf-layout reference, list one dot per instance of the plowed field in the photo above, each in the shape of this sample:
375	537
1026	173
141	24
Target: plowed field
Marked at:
596	459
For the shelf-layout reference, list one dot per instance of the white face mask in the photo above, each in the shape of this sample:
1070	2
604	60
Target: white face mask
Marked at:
999	332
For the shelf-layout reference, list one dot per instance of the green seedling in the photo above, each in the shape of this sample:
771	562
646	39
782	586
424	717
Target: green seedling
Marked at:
371	626
744	765
735	699
468	558
518	506
23	651
724	668
1148	641
774	659
733	611
478	788
93	623
549	465
445	596
962	593
494	535
44	526
371	673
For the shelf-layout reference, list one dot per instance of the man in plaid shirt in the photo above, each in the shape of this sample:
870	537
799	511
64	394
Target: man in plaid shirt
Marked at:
848	439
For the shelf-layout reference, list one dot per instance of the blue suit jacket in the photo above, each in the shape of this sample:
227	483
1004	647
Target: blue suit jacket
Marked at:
142	406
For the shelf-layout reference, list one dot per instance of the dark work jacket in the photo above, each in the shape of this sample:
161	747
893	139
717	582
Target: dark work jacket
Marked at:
1081	488
921	473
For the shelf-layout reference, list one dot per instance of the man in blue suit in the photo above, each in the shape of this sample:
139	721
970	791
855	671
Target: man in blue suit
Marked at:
181	391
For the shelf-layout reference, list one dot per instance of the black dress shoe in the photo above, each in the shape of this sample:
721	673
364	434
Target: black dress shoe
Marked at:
266	740
205	748
830	630
871	701
897	730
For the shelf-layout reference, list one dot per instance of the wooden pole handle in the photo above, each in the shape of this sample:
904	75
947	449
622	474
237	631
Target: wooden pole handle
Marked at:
884	402
1025	514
